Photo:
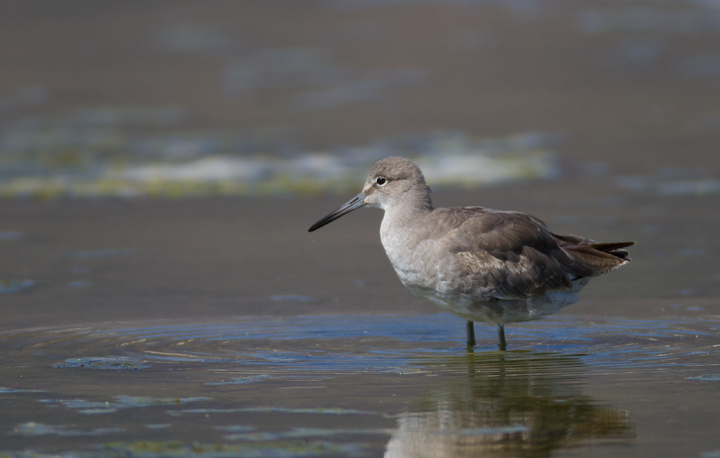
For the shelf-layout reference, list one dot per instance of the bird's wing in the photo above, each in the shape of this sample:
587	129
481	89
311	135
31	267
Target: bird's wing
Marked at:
509	255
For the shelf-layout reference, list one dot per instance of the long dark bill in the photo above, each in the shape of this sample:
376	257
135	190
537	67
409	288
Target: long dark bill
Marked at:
356	202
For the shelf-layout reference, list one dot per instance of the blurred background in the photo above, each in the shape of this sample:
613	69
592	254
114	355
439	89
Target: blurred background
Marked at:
183	98
166	158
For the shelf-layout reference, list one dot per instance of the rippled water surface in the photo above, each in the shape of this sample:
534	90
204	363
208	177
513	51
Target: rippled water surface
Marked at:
353	385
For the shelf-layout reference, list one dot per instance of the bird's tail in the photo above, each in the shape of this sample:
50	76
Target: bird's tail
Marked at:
598	257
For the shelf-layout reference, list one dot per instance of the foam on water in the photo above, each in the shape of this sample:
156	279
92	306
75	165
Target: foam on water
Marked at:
450	158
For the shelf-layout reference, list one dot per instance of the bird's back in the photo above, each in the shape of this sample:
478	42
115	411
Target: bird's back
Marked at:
503	255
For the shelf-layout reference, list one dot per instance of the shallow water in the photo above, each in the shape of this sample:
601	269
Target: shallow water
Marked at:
130	338
358	385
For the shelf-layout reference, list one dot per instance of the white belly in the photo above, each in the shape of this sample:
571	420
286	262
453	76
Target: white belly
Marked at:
503	311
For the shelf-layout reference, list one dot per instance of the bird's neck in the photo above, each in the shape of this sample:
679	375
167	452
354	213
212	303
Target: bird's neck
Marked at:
402	219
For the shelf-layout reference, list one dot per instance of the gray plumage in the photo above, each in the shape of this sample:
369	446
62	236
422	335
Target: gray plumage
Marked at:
480	264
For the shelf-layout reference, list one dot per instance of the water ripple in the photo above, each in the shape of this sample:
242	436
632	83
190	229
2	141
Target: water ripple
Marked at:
380	343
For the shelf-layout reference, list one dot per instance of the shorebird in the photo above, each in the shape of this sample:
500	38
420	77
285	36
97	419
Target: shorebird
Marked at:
477	263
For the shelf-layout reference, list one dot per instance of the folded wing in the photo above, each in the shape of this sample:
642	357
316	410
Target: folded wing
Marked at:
512	255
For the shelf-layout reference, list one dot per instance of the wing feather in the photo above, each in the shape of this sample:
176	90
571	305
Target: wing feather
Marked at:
512	255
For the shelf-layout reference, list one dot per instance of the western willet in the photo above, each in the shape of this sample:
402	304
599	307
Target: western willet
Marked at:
477	263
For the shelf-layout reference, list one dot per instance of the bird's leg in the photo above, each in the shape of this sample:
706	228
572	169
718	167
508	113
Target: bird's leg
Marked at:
470	334
501	338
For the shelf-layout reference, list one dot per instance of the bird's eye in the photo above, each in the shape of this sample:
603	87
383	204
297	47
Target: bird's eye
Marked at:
380	181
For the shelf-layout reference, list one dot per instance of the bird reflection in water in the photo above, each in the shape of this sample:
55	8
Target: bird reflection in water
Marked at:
499	405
